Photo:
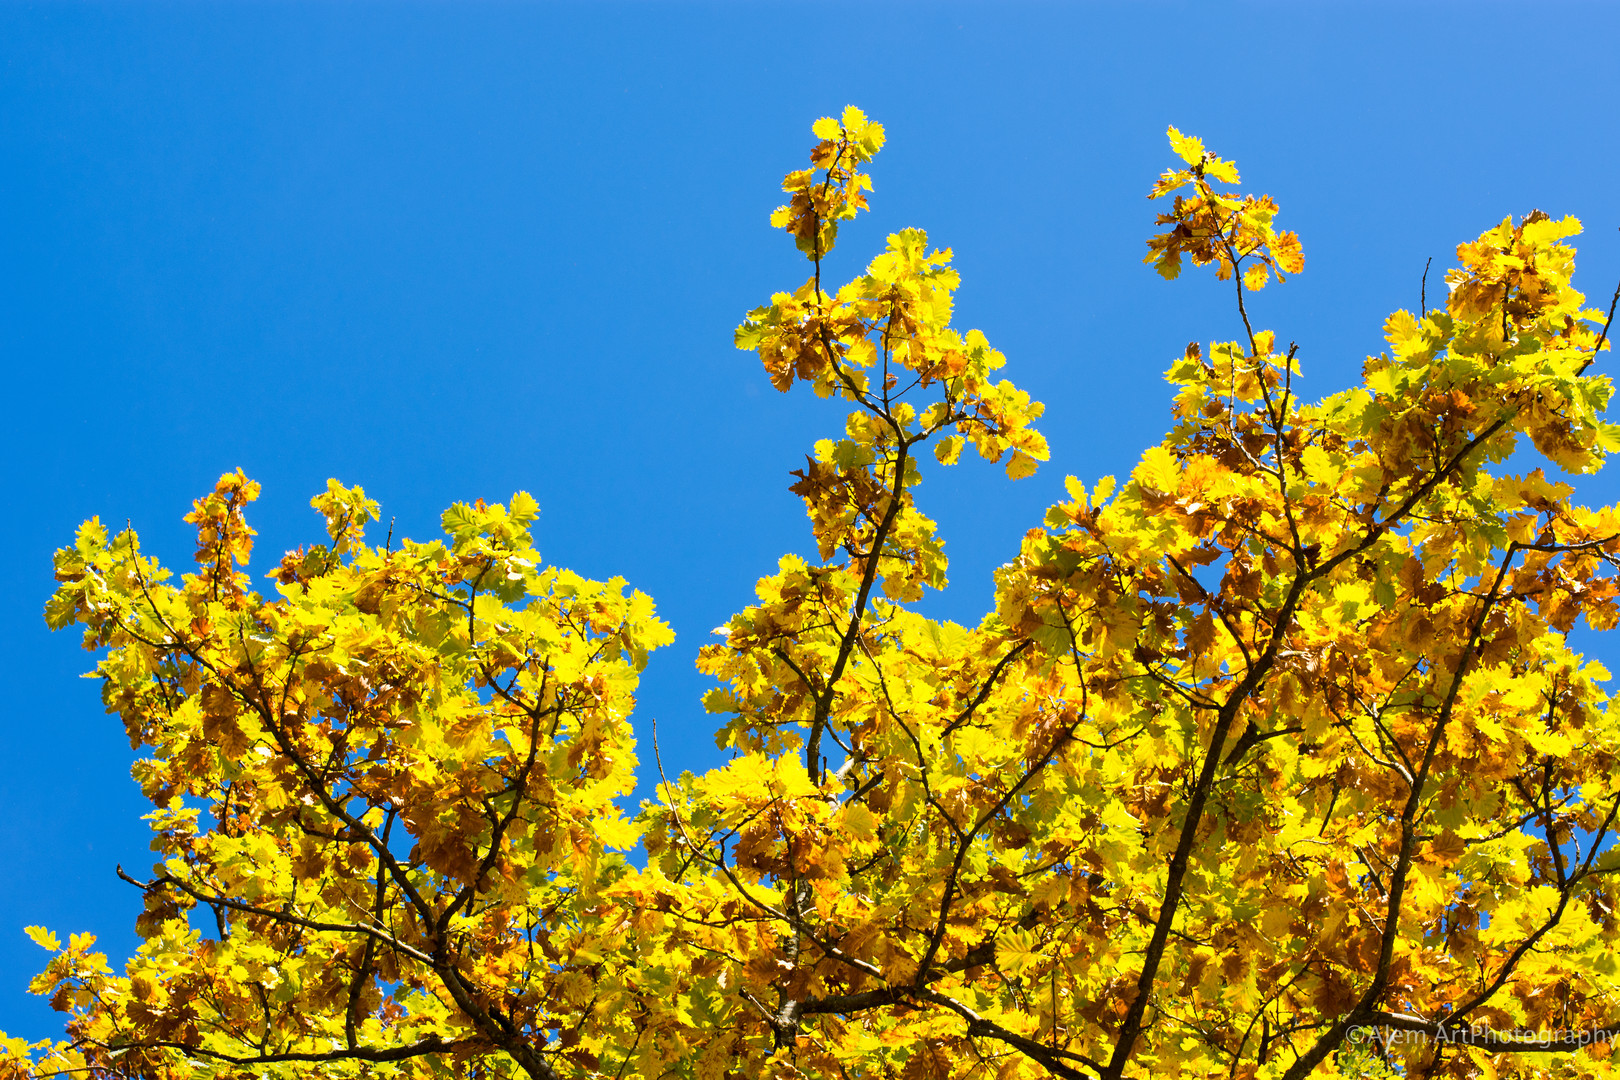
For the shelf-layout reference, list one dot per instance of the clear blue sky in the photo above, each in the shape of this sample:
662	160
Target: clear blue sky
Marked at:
449	252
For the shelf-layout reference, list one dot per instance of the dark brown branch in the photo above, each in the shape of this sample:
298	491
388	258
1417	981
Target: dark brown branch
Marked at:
1131	1027
966	842
824	700
278	916
430	1045
1606	324
1330	1039
498	833
989	685
363	972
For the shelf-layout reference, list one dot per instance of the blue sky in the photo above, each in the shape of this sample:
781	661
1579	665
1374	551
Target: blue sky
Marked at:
450	252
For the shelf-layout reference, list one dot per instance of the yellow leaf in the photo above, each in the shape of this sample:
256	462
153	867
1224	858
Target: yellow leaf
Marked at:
1020	465
1158	470
1188	147
1287	253
615	831
1051	890
1017	950
860	821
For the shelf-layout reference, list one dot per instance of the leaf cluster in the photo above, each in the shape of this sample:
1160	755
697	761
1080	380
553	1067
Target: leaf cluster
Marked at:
1281	739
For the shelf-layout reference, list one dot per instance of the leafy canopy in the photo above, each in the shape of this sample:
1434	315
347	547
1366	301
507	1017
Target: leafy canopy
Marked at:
1278	741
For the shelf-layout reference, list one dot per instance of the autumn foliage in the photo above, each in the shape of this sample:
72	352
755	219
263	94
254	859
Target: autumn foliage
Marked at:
1281	740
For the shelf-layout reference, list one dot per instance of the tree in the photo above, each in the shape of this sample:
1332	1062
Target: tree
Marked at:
1279	742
